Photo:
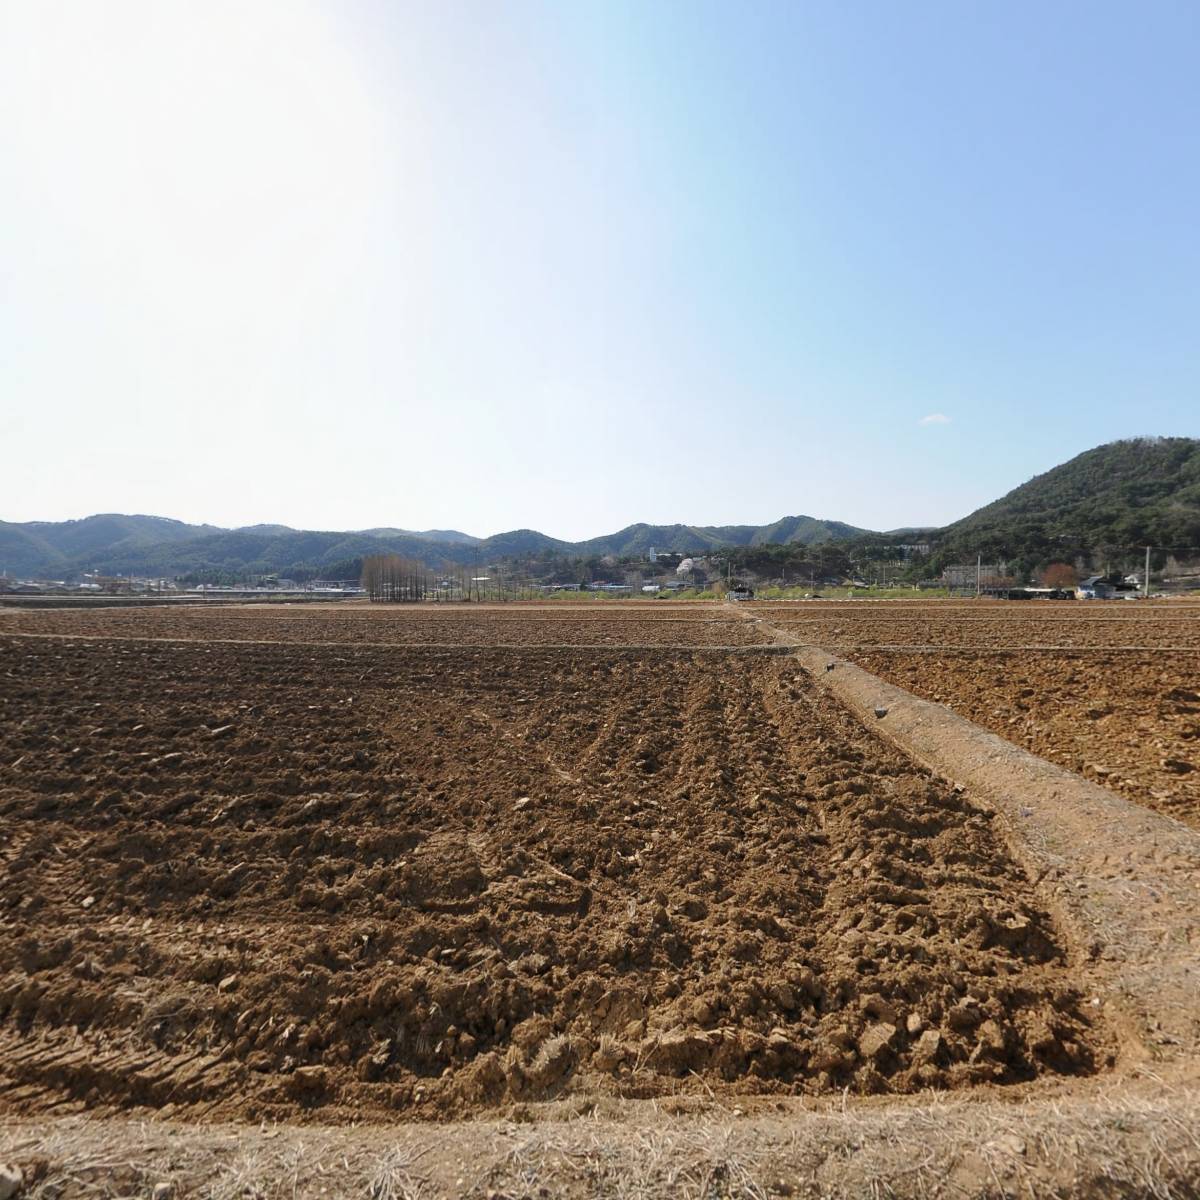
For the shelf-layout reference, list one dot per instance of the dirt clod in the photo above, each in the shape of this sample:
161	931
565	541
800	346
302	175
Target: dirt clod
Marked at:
497	878
12	1181
875	1040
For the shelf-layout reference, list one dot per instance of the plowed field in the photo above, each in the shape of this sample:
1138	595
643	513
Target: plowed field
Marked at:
602	624
1110	690
1128	720
338	881
992	625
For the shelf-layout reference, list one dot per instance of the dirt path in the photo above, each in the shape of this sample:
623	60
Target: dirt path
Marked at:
1113	1144
1125	880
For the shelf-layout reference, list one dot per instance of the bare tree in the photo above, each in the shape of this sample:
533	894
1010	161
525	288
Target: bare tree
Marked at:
390	578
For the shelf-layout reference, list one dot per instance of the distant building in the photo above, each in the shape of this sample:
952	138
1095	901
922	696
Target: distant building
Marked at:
1094	587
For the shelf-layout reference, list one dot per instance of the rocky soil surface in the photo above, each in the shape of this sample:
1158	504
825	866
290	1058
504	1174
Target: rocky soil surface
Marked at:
989	625
1128	721
331	882
612	623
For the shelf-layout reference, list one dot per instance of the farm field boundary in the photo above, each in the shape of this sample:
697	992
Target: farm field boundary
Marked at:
1115	1143
602	647
1126	880
758	744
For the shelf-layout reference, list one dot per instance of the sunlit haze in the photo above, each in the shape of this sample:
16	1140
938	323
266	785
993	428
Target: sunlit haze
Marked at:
570	266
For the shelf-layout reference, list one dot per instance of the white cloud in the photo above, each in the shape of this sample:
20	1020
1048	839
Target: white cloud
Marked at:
935	419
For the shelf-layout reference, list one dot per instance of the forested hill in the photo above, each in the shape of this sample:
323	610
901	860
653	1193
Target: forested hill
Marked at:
1105	502
637	539
1127	494
158	547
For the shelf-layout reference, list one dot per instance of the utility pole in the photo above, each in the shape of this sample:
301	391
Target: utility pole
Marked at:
978	574
1146	581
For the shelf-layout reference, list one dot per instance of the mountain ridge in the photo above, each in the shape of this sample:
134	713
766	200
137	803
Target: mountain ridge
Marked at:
1139	491
35	547
1124	494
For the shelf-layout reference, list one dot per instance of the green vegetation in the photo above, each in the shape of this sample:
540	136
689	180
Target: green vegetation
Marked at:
703	539
796	562
1104	505
1098	510
154	546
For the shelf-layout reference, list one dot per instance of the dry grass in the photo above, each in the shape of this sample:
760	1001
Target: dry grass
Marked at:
1118	1141
396	1178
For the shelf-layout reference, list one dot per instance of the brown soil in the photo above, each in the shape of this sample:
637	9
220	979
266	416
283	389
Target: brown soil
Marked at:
987	625
331	882
1128	721
613	623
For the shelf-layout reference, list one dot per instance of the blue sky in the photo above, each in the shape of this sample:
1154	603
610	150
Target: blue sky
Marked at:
571	266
